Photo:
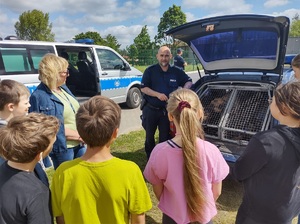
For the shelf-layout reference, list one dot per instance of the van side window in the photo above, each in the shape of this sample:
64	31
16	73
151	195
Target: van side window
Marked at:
15	59
22	59
109	60
36	56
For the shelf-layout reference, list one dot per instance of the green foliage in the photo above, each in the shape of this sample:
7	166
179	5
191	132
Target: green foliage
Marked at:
109	40
173	17
92	35
142	41
295	27
34	25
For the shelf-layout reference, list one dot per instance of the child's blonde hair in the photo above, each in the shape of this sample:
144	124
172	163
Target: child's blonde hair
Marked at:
26	136
185	107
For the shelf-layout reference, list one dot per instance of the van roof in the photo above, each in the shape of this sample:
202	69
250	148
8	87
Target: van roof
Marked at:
29	42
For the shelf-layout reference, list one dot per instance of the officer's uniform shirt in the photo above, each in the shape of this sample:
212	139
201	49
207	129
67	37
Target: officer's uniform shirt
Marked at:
164	82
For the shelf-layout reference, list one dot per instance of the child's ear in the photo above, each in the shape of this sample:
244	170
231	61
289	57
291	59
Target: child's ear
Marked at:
39	156
115	133
170	116
10	107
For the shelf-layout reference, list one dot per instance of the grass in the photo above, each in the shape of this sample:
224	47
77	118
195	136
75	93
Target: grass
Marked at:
131	147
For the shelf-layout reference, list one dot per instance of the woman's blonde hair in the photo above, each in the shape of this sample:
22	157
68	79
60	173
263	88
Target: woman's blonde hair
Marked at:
185	107
49	69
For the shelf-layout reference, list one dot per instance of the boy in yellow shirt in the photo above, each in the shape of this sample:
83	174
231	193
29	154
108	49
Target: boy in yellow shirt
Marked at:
98	187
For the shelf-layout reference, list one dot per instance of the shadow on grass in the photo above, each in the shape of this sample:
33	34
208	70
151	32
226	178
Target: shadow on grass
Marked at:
138	156
232	194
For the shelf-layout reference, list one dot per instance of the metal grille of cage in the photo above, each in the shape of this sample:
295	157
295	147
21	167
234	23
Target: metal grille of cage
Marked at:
214	102
248	115
234	114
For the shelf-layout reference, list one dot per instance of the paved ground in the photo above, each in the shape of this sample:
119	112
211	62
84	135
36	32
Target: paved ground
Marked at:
130	118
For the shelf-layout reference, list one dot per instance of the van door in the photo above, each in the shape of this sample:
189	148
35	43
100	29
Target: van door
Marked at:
113	74
83	77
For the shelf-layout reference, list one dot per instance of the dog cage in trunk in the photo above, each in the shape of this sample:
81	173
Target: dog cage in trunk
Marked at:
235	113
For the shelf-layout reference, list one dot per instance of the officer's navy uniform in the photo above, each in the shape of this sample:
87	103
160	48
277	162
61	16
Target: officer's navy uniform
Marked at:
154	112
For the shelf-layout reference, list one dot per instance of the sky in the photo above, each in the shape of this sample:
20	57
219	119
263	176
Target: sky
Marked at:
125	19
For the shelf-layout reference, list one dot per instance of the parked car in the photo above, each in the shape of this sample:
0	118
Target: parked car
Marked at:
243	58
93	69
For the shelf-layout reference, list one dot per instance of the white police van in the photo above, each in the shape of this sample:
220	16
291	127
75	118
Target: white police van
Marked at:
93	69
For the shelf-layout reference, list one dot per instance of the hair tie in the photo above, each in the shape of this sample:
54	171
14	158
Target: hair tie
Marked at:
183	104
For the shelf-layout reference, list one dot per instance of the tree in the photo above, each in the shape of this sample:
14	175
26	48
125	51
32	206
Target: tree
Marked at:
132	53
142	41
111	41
295	27
171	18
143	46
34	25
91	35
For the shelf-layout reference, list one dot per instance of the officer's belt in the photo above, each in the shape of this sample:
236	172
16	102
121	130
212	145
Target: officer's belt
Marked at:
155	108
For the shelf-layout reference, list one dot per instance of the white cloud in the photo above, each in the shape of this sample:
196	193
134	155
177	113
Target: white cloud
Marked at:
220	7
275	3
190	17
289	13
154	18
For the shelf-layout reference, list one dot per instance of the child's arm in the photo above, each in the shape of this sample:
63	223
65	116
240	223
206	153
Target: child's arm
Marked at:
158	188
137	218
60	220
216	189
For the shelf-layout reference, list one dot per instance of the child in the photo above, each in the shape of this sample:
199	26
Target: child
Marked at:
269	168
186	172
294	75
99	188
24	142
14	101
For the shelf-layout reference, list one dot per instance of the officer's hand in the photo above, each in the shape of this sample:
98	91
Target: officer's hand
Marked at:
162	97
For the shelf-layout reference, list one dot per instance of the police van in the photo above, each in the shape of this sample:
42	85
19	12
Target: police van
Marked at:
93	69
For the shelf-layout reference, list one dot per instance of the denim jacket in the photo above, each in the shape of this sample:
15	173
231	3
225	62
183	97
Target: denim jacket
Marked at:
42	100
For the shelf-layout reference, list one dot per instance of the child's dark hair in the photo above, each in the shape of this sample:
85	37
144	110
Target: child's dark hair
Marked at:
287	98
296	61
26	136
186	109
97	119
11	91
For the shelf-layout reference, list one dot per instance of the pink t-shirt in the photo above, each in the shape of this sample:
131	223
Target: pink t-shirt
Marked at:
166	166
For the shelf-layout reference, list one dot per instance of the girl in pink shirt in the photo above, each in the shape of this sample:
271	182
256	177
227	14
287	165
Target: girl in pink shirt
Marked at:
186	172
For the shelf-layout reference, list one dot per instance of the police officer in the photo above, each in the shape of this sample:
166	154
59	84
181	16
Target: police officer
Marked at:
178	59
158	82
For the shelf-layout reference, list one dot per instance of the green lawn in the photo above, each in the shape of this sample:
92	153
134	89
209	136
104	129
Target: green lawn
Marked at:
131	147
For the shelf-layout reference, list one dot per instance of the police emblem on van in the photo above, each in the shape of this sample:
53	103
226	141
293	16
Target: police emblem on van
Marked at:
117	83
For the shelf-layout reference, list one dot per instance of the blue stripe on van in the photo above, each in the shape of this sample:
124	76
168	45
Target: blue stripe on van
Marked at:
117	83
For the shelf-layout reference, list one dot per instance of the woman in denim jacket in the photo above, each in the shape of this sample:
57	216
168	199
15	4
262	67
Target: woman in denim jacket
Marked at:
52	97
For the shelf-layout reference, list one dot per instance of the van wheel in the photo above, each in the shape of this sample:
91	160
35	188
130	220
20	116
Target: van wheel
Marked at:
134	97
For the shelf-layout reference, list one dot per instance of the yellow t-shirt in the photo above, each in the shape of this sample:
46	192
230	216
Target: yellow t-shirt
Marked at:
71	106
105	192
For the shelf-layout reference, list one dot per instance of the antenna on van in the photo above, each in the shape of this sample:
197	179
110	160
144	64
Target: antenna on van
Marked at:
85	41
